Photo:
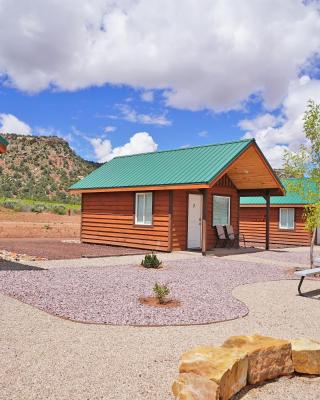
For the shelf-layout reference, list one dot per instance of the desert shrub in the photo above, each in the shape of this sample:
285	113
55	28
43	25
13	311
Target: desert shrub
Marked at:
161	292
18	207
38	208
9	204
61	210
25	208
151	261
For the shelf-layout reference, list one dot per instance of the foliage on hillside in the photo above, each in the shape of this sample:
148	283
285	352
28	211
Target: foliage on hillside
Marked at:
41	168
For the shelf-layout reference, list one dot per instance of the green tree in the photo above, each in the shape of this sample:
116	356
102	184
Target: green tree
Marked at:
306	164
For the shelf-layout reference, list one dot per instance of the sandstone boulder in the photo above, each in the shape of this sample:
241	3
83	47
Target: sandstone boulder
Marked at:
227	367
268	357
194	387
306	356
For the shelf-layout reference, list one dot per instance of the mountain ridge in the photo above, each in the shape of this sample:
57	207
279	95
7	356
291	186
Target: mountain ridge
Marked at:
41	168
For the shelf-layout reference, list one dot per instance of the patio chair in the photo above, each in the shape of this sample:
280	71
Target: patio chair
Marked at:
234	237
221	235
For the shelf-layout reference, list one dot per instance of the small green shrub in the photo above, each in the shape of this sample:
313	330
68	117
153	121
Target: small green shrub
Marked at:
161	292
151	261
9	204
61	210
38	208
18	207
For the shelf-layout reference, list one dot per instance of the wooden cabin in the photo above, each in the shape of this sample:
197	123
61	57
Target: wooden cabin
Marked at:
3	144
171	200
286	219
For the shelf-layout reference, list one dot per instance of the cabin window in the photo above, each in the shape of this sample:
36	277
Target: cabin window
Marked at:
221	210
286	218
143	208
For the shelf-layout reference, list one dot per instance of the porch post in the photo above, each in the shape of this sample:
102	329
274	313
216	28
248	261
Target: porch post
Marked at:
170	211
267	197
204	221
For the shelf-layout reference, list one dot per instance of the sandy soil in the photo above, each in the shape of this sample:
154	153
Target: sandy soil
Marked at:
55	249
45	357
42	225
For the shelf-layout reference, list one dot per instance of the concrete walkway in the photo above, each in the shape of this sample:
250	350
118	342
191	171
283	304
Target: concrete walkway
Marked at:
45	357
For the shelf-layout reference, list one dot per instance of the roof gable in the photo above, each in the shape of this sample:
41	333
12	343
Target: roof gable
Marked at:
195	165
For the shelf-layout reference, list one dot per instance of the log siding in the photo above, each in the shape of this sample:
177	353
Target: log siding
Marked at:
109	218
253	226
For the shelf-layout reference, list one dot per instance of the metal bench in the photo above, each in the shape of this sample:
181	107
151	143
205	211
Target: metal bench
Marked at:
307	272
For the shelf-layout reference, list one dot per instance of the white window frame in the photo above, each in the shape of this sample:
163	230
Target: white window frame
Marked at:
229	208
143	194
285	209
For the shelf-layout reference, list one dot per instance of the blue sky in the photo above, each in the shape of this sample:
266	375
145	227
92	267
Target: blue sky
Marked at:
84	114
132	76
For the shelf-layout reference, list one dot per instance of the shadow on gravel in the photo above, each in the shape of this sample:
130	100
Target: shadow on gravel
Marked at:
312	294
14	266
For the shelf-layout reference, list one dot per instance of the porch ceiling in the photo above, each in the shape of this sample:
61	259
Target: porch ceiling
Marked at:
251	173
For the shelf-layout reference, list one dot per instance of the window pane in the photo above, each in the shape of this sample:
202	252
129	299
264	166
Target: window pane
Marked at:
283	218
286	218
221	210
148	208
144	208
290	218
139	208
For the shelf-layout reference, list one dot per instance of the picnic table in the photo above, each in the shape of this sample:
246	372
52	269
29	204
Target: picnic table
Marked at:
308	272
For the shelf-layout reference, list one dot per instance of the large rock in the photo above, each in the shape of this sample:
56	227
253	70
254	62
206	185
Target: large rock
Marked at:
194	387
268	357
227	367
306	356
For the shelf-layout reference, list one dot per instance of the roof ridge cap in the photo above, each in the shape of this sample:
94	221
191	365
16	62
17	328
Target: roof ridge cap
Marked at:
186	148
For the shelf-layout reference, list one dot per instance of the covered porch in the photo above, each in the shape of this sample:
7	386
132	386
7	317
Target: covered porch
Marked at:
251	175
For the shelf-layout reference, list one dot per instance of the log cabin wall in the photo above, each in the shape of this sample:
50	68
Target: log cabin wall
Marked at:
224	187
108	218
253	226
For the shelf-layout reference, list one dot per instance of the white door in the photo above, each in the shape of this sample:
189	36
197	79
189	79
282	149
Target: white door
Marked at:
194	221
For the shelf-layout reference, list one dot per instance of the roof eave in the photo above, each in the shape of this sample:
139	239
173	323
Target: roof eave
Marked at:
182	186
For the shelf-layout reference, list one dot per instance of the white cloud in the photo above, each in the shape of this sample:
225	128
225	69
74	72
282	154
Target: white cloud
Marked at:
276	133
260	122
109	129
203	134
140	142
129	114
11	124
147	96
204	54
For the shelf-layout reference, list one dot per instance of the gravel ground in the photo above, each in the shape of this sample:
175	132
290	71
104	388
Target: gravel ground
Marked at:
299	257
55	249
110	295
44	357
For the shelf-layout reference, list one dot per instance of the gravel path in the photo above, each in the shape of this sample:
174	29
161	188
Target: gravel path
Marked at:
44	357
110	295
287	255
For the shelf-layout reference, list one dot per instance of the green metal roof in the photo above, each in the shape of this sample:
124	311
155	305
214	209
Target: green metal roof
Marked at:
171	167
290	197
3	141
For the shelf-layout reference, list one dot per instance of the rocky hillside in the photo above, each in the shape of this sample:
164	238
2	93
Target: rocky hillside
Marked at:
41	168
